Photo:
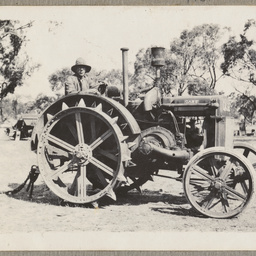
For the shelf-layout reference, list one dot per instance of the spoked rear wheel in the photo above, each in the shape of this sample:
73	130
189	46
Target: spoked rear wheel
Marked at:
81	154
219	183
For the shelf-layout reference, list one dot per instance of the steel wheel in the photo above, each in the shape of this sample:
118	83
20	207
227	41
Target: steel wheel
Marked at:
81	154
219	183
247	150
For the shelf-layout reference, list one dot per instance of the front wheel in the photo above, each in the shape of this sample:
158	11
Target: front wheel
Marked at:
218	182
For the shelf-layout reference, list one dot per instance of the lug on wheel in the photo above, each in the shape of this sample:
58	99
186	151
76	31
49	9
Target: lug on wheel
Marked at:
81	154
218	182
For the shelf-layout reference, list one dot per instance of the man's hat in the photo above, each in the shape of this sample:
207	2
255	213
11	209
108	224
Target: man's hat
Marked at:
81	63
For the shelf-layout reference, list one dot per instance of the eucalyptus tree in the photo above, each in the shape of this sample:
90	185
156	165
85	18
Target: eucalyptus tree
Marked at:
192	62
240	64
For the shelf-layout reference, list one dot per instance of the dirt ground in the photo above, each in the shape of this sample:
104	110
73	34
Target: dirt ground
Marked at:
162	206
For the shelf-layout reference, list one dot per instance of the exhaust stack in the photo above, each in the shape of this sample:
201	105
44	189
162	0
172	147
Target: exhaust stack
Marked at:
158	61
125	75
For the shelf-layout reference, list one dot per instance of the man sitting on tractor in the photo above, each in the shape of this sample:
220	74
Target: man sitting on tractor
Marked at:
79	81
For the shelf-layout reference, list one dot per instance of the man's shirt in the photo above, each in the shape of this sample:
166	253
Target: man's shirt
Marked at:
76	84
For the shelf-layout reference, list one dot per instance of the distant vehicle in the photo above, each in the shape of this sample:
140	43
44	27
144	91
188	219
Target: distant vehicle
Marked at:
24	127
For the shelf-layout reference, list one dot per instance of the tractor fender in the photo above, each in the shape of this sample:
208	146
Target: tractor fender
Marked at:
113	108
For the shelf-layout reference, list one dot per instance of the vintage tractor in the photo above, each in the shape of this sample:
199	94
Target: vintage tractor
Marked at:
92	146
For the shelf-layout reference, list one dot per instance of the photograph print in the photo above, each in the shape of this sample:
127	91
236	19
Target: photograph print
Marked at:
127	127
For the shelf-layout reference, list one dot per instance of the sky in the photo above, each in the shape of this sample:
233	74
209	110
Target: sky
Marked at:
97	33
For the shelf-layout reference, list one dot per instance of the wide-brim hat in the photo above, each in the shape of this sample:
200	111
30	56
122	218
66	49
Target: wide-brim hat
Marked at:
80	62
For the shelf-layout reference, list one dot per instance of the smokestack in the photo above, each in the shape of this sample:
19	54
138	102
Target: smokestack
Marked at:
158	61
125	75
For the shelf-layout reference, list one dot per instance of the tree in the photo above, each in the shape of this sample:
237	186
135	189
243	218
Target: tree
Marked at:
243	108
196	56
196	87
57	80
42	102
240	64
14	63
240	59
191	61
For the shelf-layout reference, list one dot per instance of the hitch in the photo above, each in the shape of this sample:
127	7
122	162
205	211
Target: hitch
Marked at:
32	177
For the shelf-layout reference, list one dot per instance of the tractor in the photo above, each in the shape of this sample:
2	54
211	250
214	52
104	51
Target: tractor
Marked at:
95	146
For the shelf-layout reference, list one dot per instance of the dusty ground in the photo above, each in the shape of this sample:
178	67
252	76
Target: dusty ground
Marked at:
161	206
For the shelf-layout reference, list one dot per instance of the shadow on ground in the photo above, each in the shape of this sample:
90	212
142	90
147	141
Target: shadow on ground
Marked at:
178	211
42	195
149	196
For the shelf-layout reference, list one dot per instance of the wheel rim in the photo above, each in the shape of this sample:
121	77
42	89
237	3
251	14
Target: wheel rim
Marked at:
218	183
80	154
246	150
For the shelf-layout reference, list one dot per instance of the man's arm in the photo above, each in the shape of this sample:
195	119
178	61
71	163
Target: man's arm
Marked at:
70	86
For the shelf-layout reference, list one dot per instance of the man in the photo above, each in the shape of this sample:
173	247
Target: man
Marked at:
79	80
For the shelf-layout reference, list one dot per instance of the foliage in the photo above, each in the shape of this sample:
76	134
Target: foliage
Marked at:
191	63
9	108
239	59
57	80
196	55
240	56
42	102
14	61
197	87
15	107
243	105
113	77
240	64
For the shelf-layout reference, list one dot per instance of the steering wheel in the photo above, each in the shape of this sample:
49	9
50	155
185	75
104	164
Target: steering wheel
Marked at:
102	87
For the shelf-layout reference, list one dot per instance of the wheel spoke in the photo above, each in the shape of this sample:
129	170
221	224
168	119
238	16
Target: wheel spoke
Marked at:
101	166
82	182
93	128
79	128
56	152
73	188
246	152
100	175
61	143
213	168
72	130
206	202
224	207
101	139
59	171
224	202
202	172
236	194
107	154
213	205
244	187
199	184
226	170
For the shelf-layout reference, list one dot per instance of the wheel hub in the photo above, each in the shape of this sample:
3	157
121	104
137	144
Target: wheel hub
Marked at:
83	153
218	184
